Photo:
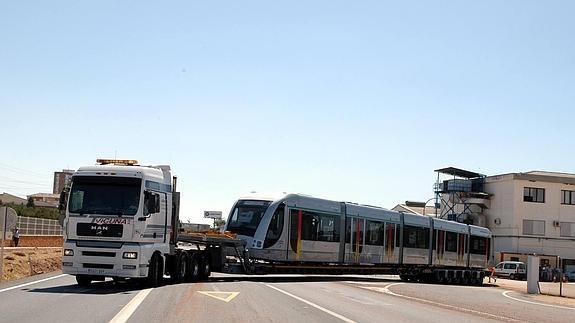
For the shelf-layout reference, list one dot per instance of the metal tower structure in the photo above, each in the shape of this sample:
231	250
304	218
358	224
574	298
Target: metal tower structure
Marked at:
461	197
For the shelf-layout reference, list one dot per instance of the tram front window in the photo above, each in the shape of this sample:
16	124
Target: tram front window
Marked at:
246	217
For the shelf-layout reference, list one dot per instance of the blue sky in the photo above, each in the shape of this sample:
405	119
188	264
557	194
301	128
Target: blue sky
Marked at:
356	101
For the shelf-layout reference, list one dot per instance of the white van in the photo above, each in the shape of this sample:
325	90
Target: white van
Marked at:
511	269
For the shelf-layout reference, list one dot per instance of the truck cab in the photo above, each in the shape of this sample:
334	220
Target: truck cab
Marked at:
119	221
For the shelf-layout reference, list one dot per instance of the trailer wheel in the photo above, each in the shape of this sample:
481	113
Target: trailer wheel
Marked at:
205	270
155	272
181	270
194	268
83	280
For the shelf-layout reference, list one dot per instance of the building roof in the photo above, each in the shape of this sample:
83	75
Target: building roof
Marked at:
554	174
45	204
537	175
429	210
45	195
9	198
459	172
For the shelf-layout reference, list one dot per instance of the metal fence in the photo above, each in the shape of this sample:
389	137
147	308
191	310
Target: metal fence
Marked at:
39	227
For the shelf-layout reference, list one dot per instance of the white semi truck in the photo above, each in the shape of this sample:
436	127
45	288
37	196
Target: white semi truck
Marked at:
121	221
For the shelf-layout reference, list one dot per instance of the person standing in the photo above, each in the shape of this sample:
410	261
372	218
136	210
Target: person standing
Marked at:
16	236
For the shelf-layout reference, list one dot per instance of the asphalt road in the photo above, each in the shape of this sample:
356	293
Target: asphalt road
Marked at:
56	298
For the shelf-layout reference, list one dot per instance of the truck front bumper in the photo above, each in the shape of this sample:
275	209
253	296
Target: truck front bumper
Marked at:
104	262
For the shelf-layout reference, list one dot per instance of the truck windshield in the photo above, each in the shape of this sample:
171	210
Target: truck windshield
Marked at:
105	195
246	216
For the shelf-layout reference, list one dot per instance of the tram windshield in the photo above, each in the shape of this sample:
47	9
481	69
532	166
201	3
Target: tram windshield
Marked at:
246	216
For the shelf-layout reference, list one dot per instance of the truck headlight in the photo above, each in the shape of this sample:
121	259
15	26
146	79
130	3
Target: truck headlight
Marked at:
130	255
68	252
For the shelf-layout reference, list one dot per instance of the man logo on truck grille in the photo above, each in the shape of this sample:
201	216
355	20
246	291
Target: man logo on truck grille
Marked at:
99	229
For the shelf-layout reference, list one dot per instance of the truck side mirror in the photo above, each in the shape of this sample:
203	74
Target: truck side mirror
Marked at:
151	203
63	201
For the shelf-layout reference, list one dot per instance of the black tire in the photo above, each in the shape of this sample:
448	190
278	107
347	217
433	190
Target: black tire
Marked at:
194	269
83	280
205	269
404	278
181	270
155	272
512	276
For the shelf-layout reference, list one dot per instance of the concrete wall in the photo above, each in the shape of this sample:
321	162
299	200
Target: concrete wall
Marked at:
37	241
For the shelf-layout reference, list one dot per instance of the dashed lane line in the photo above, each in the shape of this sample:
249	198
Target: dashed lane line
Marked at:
323	309
131	307
505	293
31	283
447	306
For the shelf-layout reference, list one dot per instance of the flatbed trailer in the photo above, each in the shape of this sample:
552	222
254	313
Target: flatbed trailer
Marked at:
226	254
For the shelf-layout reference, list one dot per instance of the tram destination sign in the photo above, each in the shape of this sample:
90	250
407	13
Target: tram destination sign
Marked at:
213	214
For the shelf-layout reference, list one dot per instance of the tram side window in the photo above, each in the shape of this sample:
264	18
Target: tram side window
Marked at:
415	237
319	227
276	227
450	241
478	245
374	233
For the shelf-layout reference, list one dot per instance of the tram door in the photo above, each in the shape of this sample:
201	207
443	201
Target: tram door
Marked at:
314	236
354	240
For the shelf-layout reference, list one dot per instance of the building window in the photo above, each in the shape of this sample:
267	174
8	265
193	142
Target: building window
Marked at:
532	194
568	197
567	229
534	227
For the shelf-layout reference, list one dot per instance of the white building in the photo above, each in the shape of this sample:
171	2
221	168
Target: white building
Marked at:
528	213
532	212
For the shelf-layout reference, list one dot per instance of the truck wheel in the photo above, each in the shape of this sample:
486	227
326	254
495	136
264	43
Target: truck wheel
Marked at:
83	280
194	270
155	272
205	270
179	274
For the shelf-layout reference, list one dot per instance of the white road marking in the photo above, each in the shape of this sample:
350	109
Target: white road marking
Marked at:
456	308
323	309
31	283
131	307
535	303
222	296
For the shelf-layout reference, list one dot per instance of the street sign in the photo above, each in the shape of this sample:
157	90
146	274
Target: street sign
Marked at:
8	219
213	214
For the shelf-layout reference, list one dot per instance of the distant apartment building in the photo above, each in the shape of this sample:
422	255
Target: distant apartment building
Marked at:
528	213
420	208
61	180
45	199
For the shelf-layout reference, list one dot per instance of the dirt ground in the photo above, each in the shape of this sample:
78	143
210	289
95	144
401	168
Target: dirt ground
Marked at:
24	262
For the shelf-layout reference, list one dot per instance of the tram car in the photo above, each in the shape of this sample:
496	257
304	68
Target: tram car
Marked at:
297	230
